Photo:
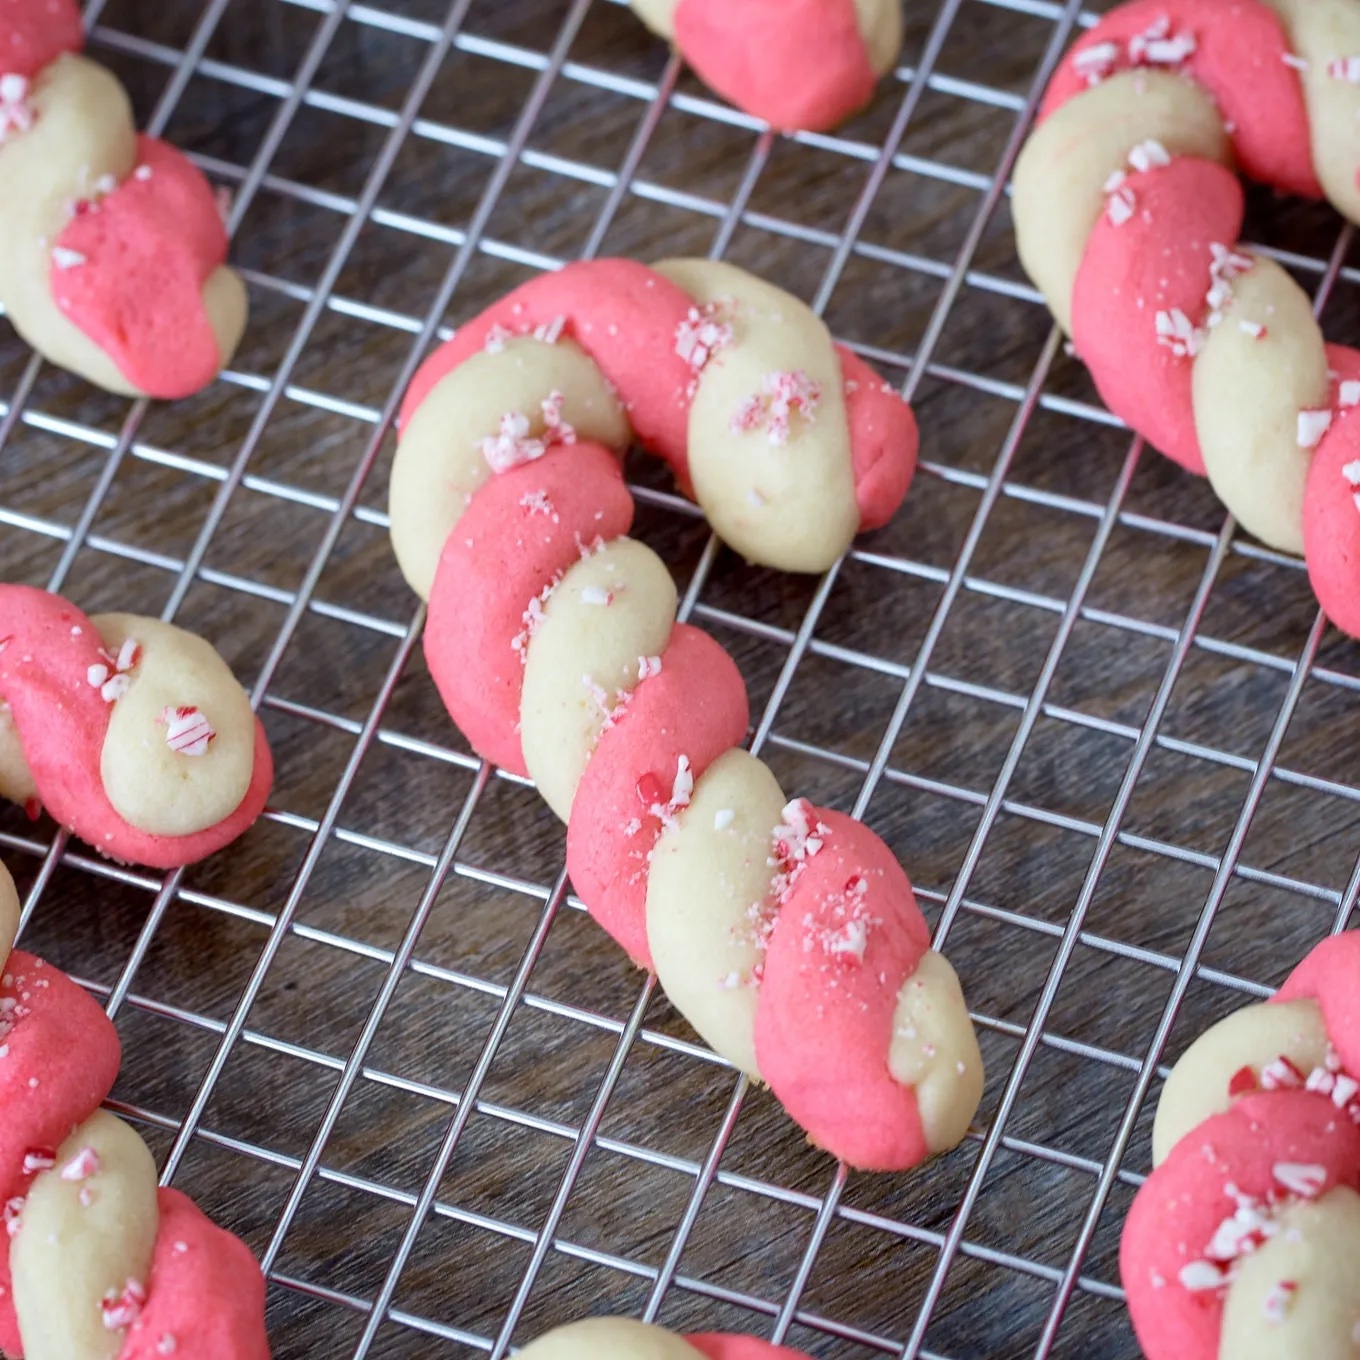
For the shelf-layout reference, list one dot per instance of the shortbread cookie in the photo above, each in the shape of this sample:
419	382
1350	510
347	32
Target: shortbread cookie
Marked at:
1306	1036
112	245
132	733
1127	214
787	934
96	1263
795	63
613	1338
1243	1243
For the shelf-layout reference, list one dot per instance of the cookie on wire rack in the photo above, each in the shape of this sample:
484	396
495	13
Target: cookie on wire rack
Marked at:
132	733
1245	1238
787	934
1127	212
797	64
112	244
96	1262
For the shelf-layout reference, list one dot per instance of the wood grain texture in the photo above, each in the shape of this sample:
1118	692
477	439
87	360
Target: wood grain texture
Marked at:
411	783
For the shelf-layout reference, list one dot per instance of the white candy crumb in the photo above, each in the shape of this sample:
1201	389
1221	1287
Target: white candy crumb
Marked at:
1312	426
723	818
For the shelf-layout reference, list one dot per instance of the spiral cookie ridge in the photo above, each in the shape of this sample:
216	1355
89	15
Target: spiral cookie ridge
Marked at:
132	733
112	246
96	1263
787	934
1128	210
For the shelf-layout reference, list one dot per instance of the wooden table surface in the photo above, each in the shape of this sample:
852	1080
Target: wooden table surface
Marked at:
1085	650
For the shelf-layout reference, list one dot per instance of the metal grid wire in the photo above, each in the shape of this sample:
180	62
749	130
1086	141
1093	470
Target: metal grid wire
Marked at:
1109	736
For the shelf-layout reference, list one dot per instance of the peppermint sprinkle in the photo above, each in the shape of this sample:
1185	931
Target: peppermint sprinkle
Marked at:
514	445
1345	68
550	332
1096	62
166	1345
65	259
701	335
1348	394
1149	154
82	1166
1252	328
1304	1179
1298	63
1200	1277
1312	426
1224	266
1351	472
1279	1301
852	939
13	1214
782	396
1121	206
539	503
38	1159
496	338
1177	334
723	818
596	595
142	173
16	113
187	731
648	666
1160	45
122	1310
114	679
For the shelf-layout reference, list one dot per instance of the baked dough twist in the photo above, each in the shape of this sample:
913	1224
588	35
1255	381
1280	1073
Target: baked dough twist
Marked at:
96	1263
1127	212
131	732
111	244
788	935
613	1338
806	64
1243	1243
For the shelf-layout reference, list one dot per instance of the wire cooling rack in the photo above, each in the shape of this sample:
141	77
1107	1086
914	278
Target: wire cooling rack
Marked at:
1109	736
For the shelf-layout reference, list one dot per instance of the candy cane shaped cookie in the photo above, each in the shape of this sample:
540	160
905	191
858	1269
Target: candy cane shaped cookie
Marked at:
614	1338
795	63
1127	212
96	1263
1307	1036
1242	1244
132	733
112	246
787	934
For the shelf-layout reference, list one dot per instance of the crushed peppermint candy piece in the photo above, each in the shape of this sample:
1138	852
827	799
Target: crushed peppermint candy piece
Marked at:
64	258
1279	1300
123	1310
1202	1276
648	666
1149	155
723	818
1175	331
782	395
1096	62
82	1166
1160	45
1348	394
114	679
514	445
1121	205
1225	265
1345	68
1312	426
187	731
1351	472
550	332
16	113
852	938
166	1345
597	595
1252	328
38	1159
1304	1179
142	173
1291	59
13	1214
702	334
496	338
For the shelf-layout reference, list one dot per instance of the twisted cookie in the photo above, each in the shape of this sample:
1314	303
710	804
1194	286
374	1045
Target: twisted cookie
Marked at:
111	244
132	733
795	63
787	934
1244	1241
1127	211
612	1338
95	1261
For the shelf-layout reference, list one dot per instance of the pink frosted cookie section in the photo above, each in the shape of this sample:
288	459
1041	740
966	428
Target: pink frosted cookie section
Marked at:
129	270
847	936
676	723
794	63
